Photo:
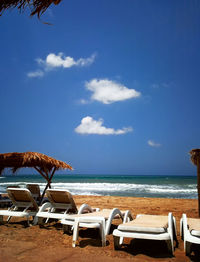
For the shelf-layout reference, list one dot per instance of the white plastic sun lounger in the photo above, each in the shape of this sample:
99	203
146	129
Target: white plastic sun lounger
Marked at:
24	204
190	232
152	227
100	219
35	191
60	203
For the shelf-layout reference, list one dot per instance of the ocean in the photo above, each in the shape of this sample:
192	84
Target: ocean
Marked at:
112	185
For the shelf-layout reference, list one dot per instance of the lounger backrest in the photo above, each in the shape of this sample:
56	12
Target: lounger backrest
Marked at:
34	189
61	199
21	197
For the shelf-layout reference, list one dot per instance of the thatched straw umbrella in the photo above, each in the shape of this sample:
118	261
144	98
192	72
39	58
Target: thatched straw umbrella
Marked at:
36	6
195	158
44	164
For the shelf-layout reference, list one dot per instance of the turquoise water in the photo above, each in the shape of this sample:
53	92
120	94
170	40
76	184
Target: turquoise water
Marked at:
112	185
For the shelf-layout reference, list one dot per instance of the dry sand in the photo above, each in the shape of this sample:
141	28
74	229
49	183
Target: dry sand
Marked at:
48	243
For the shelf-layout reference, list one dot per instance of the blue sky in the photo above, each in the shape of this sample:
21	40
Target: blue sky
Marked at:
111	87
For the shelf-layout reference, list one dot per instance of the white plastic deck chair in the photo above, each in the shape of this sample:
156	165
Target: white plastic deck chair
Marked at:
24	204
60	203
190	232
154	227
35	191
100	219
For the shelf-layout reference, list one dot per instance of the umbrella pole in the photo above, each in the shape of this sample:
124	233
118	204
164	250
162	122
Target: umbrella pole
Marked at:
44	193
48	184
198	183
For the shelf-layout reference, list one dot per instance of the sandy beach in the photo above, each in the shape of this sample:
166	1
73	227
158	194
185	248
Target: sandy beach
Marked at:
48	243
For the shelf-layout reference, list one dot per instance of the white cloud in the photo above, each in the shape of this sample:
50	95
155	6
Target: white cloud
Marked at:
107	91
54	61
90	126
153	144
37	73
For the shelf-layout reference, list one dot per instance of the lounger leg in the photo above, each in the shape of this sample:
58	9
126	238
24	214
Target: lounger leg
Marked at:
170	246
8	219
116	242
75	233
1	219
181	228
187	247
103	234
121	240
35	220
46	221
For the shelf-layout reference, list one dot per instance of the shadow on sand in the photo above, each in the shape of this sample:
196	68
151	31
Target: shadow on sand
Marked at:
151	248
195	253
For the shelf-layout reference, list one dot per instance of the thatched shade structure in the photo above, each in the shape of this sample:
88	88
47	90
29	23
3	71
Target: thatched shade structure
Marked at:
44	164
36	6
195	158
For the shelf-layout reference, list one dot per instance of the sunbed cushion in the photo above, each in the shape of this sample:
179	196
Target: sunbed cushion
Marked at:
103	213
146	224
194	226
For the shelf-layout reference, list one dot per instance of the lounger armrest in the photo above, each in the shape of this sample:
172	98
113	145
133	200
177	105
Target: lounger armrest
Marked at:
85	208
185	226
45	206
127	216
172	229
170	222
181	228
113	213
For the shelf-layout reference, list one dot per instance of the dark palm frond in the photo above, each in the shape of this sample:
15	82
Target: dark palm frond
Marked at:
195	156
36	6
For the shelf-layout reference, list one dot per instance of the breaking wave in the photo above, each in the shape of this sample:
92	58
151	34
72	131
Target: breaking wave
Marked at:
119	189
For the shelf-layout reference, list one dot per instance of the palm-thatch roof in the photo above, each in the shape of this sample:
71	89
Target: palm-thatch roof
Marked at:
44	164
31	159
36	6
195	156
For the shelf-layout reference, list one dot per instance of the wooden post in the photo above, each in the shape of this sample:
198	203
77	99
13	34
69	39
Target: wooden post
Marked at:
198	183
48	184
195	158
